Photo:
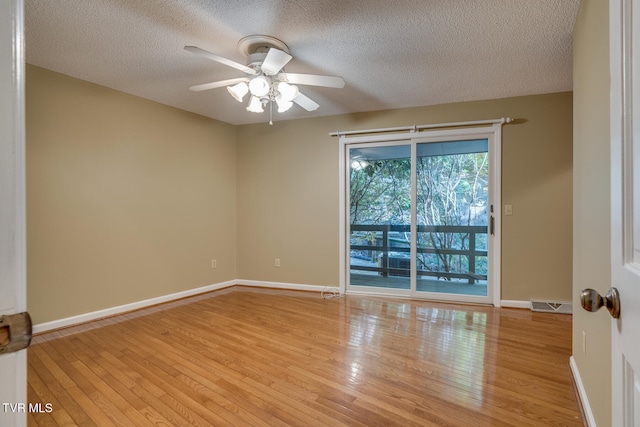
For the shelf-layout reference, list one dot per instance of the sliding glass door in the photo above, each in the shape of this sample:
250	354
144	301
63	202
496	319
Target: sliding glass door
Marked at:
452	215
420	216
380	216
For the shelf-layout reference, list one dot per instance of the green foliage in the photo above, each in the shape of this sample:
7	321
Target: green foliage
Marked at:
451	190
381	192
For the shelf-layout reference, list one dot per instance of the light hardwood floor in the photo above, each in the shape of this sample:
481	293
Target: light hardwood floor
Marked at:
245	357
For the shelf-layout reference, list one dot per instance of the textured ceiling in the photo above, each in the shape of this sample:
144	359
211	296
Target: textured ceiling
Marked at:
391	53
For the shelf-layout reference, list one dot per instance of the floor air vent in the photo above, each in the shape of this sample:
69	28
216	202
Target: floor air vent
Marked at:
551	306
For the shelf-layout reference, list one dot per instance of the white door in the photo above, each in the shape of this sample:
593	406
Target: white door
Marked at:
625	209
13	366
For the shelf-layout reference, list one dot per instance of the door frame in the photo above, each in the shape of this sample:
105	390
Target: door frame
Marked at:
13	366
494	134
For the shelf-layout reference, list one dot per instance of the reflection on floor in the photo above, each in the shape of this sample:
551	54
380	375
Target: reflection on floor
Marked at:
422	285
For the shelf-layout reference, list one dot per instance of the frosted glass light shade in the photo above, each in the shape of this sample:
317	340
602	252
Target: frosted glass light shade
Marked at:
283	104
238	91
255	105
287	91
259	86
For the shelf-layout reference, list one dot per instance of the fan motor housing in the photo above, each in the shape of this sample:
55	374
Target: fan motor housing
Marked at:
255	60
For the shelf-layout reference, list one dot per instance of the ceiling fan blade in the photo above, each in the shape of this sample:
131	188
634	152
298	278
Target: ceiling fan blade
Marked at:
220	59
274	61
313	80
221	83
305	102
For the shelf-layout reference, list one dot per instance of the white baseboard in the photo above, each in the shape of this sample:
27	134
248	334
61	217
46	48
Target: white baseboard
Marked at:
584	400
94	315
100	314
282	285
515	304
86	317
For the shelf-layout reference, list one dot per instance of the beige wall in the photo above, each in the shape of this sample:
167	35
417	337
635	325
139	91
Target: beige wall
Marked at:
127	199
591	196
288	188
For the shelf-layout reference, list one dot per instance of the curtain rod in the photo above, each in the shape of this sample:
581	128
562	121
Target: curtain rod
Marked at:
415	128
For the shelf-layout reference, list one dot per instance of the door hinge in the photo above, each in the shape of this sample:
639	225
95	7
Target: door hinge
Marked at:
15	332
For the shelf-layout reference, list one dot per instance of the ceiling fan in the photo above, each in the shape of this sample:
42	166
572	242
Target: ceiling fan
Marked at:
266	82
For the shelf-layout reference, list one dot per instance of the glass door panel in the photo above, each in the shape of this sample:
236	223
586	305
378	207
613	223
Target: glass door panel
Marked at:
452	201
380	216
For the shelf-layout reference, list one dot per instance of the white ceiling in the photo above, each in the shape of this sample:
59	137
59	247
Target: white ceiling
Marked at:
391	53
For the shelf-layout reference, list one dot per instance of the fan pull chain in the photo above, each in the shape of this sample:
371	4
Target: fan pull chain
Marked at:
271	113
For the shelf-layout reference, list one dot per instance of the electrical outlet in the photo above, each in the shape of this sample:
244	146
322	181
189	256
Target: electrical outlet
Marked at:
508	209
584	342
214	263
277	263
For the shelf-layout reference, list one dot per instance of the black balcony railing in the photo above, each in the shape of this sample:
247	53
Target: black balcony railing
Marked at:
394	258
